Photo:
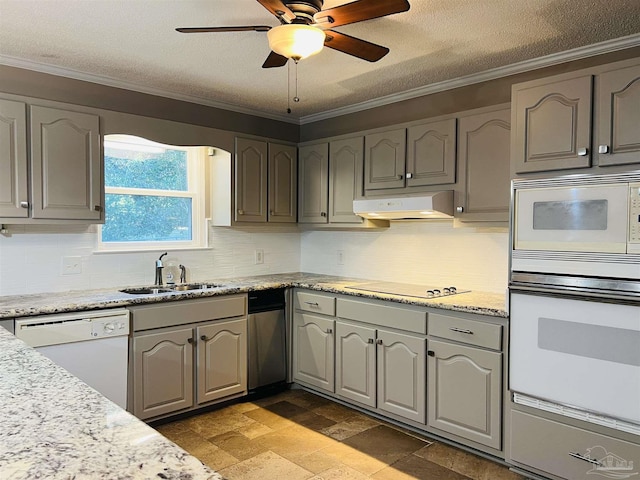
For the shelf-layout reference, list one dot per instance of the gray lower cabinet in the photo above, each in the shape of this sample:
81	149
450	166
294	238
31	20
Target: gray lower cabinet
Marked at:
313	350
483	188
464	360
552	123
62	159
163	372
356	363
618	116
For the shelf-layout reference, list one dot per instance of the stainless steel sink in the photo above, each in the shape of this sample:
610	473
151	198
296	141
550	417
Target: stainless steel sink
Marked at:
145	291
196	286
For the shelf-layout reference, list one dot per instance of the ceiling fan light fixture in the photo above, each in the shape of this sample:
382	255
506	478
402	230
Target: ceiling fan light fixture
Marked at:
296	41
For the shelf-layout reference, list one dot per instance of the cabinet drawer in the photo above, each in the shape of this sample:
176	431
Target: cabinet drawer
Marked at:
383	315
481	334
569	452
313	302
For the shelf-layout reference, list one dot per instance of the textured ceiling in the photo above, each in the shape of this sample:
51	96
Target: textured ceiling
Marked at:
134	42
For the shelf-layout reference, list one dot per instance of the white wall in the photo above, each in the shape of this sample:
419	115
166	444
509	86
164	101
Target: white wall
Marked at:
31	258
428	253
412	252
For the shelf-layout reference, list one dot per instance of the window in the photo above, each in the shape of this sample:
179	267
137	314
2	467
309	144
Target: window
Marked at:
154	195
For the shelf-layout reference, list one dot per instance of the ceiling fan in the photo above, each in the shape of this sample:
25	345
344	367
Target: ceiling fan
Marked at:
306	27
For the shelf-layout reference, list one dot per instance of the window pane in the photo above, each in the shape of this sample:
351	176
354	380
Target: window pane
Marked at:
162	169
147	218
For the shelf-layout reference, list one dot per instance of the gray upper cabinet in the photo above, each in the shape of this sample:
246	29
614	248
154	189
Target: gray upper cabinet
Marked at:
431	153
345	179
283	178
483	188
313	191
384	161
13	160
66	165
552	124
618	116
251	180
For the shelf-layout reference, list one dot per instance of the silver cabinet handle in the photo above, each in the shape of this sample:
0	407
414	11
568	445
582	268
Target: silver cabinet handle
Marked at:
370	340
409	175
323	214
329	331
603	149
585	459
270	212
24	204
582	152
203	338
379	342
461	330
312	304
459	209
240	212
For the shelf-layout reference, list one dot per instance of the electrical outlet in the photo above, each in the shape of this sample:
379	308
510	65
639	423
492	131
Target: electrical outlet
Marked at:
259	256
340	257
71	265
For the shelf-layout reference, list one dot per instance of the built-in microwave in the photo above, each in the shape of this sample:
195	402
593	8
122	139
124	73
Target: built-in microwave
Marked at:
577	225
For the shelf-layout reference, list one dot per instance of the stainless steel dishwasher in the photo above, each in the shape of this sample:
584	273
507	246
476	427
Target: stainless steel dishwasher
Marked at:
267	339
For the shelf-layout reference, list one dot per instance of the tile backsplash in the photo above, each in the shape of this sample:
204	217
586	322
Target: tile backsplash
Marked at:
31	257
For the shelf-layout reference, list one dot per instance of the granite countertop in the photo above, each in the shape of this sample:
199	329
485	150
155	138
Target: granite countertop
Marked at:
54	426
484	303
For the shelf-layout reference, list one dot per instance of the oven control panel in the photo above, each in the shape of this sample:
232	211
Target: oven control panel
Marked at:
634	213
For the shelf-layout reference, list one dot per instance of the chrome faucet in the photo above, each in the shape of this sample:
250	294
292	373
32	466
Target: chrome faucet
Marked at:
183	274
159	267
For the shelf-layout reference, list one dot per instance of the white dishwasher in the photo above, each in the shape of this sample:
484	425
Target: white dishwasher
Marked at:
92	345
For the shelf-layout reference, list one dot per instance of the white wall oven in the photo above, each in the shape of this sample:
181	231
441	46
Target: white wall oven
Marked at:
575	297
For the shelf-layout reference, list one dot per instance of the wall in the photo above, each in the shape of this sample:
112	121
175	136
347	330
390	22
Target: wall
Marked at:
31	258
430	253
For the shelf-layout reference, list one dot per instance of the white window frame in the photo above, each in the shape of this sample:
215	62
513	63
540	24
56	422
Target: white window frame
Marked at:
196	158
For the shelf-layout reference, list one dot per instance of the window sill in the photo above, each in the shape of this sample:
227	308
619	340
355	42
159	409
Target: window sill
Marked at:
150	249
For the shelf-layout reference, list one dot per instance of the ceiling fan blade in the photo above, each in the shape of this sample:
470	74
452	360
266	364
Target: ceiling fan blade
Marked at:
275	60
354	46
279	9
247	28
360	10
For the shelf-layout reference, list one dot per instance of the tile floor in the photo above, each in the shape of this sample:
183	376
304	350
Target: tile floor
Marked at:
296	435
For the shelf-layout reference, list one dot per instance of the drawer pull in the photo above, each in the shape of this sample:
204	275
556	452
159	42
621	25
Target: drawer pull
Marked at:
461	330
312	304
586	459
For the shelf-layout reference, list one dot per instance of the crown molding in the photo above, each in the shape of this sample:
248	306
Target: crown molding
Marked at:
492	74
114	82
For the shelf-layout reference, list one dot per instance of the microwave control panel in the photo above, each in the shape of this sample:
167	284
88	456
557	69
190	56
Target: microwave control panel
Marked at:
634	212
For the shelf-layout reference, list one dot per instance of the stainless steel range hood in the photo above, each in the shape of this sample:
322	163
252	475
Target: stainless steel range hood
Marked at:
426	206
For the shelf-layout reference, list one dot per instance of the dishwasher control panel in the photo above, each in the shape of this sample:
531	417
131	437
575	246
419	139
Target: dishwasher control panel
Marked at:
109	328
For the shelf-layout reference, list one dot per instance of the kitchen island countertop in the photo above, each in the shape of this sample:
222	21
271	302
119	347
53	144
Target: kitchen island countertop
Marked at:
54	426
483	303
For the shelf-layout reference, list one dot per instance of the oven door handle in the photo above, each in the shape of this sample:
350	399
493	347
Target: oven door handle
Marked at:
585	459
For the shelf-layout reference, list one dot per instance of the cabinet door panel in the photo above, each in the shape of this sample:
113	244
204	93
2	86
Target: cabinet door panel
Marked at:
13	159
483	156
345	179
401	375
465	392
313	190
222	359
431	154
619	116
251	181
356	363
163	373
283	183
313	350
385	157
553	123
66	164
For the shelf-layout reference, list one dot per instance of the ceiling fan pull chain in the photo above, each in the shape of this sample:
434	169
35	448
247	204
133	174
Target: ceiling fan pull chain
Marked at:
296	98
288	87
